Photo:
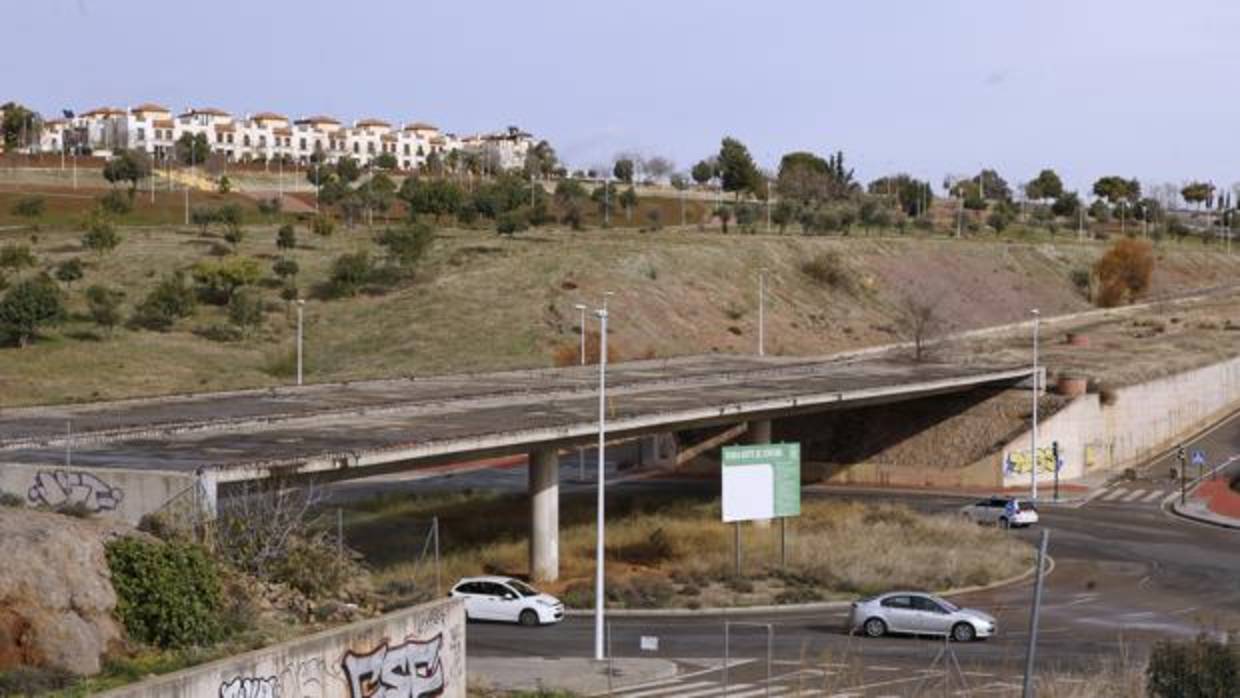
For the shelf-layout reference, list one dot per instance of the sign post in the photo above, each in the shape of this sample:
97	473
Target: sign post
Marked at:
761	481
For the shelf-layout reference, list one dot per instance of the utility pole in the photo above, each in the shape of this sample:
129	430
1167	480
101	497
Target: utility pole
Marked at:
300	305
599	653
1033	440
762	312
768	207
606	203
1033	618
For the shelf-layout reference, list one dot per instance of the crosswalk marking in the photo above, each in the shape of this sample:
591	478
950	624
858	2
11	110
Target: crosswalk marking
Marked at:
1114	494
673	689
1152	496
1136	494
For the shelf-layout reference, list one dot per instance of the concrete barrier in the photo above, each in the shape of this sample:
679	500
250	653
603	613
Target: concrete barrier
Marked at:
418	651
1131	425
124	494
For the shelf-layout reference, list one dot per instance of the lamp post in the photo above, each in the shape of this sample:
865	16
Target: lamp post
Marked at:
1033	441
581	457
599	653
762	311
300	305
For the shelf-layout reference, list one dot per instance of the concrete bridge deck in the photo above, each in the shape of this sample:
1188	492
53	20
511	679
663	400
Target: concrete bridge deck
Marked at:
364	428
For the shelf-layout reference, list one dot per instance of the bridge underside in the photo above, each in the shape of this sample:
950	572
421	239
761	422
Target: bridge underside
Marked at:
344	431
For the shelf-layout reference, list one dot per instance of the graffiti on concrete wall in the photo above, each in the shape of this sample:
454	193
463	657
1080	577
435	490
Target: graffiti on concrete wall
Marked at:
304	679
411	669
251	687
1017	462
54	488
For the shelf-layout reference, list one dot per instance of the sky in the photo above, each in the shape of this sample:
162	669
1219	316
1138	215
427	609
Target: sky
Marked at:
1088	87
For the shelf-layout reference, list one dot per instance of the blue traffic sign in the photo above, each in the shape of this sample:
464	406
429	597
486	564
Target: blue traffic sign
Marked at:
1199	457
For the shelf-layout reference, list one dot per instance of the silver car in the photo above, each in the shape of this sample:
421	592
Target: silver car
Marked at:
918	613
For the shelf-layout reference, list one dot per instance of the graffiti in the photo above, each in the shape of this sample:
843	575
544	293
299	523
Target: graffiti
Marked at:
1017	462
55	488
249	687
409	670
303	679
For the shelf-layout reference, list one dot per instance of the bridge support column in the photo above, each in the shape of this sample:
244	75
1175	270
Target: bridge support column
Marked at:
759	432
544	488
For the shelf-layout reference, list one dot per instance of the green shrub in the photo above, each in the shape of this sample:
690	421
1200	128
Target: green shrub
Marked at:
245	310
29	207
170	300
104	306
219	279
349	272
323	226
408	243
512	222
286	238
314	567
8	499
28	305
285	267
168	594
1200	668
101	236
69	270
116	202
16	257
270	207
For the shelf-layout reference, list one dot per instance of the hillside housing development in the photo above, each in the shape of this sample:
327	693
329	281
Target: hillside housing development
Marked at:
271	137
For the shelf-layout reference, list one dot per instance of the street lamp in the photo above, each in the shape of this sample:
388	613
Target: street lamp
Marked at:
1033	470
300	305
762	311
602	428
581	457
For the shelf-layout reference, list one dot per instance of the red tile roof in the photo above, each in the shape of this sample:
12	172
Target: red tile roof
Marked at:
318	119
149	107
372	122
269	116
421	126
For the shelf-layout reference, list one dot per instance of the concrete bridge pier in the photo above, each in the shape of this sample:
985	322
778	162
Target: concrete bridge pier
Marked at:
544	489
759	432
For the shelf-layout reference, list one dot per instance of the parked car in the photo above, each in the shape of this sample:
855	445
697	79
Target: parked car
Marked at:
1004	512
919	613
507	599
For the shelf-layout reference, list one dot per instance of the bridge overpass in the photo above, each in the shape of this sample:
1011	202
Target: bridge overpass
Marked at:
365	428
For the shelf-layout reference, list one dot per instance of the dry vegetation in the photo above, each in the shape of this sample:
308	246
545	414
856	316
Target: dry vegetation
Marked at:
678	553
479	301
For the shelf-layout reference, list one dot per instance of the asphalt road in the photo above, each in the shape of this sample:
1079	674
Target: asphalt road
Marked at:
1127	574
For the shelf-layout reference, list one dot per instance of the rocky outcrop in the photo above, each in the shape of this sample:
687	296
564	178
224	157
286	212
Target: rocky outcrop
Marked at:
56	596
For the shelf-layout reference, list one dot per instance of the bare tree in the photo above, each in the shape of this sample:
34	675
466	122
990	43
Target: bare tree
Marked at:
659	168
260	519
919	321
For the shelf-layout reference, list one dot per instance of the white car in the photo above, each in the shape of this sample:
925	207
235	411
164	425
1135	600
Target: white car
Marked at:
507	599
1004	512
919	613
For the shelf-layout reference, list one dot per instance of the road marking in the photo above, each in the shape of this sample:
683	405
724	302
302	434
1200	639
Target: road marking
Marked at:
715	690
774	691
675	688
1135	494
884	668
1113	494
1152	496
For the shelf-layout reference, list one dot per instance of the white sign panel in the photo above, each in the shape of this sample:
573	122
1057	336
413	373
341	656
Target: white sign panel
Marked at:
650	643
747	492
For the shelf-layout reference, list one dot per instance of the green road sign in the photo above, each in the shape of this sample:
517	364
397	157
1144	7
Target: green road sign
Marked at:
762	481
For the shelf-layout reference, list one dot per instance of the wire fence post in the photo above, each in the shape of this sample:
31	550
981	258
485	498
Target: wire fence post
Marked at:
339	533
611	671
726	630
438	586
1033	617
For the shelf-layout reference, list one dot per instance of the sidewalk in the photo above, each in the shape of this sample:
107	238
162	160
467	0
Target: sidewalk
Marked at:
1212	502
573	674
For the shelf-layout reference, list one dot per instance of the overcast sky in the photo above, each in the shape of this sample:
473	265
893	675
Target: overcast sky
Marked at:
1089	87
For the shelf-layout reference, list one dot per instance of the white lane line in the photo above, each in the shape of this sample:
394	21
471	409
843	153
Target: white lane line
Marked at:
775	691
1135	494
714	691
1113	494
1153	496
676	688
884	668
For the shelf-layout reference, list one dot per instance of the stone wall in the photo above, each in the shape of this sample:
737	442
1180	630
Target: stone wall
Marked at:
419	651
119	493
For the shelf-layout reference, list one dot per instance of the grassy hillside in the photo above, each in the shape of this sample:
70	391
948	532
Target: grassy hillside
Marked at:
480	301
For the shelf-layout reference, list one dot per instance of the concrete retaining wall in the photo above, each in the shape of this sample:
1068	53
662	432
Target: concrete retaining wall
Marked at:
418	651
1139	422
116	492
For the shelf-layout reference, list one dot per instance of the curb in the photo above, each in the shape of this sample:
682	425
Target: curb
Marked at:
1173	508
792	608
